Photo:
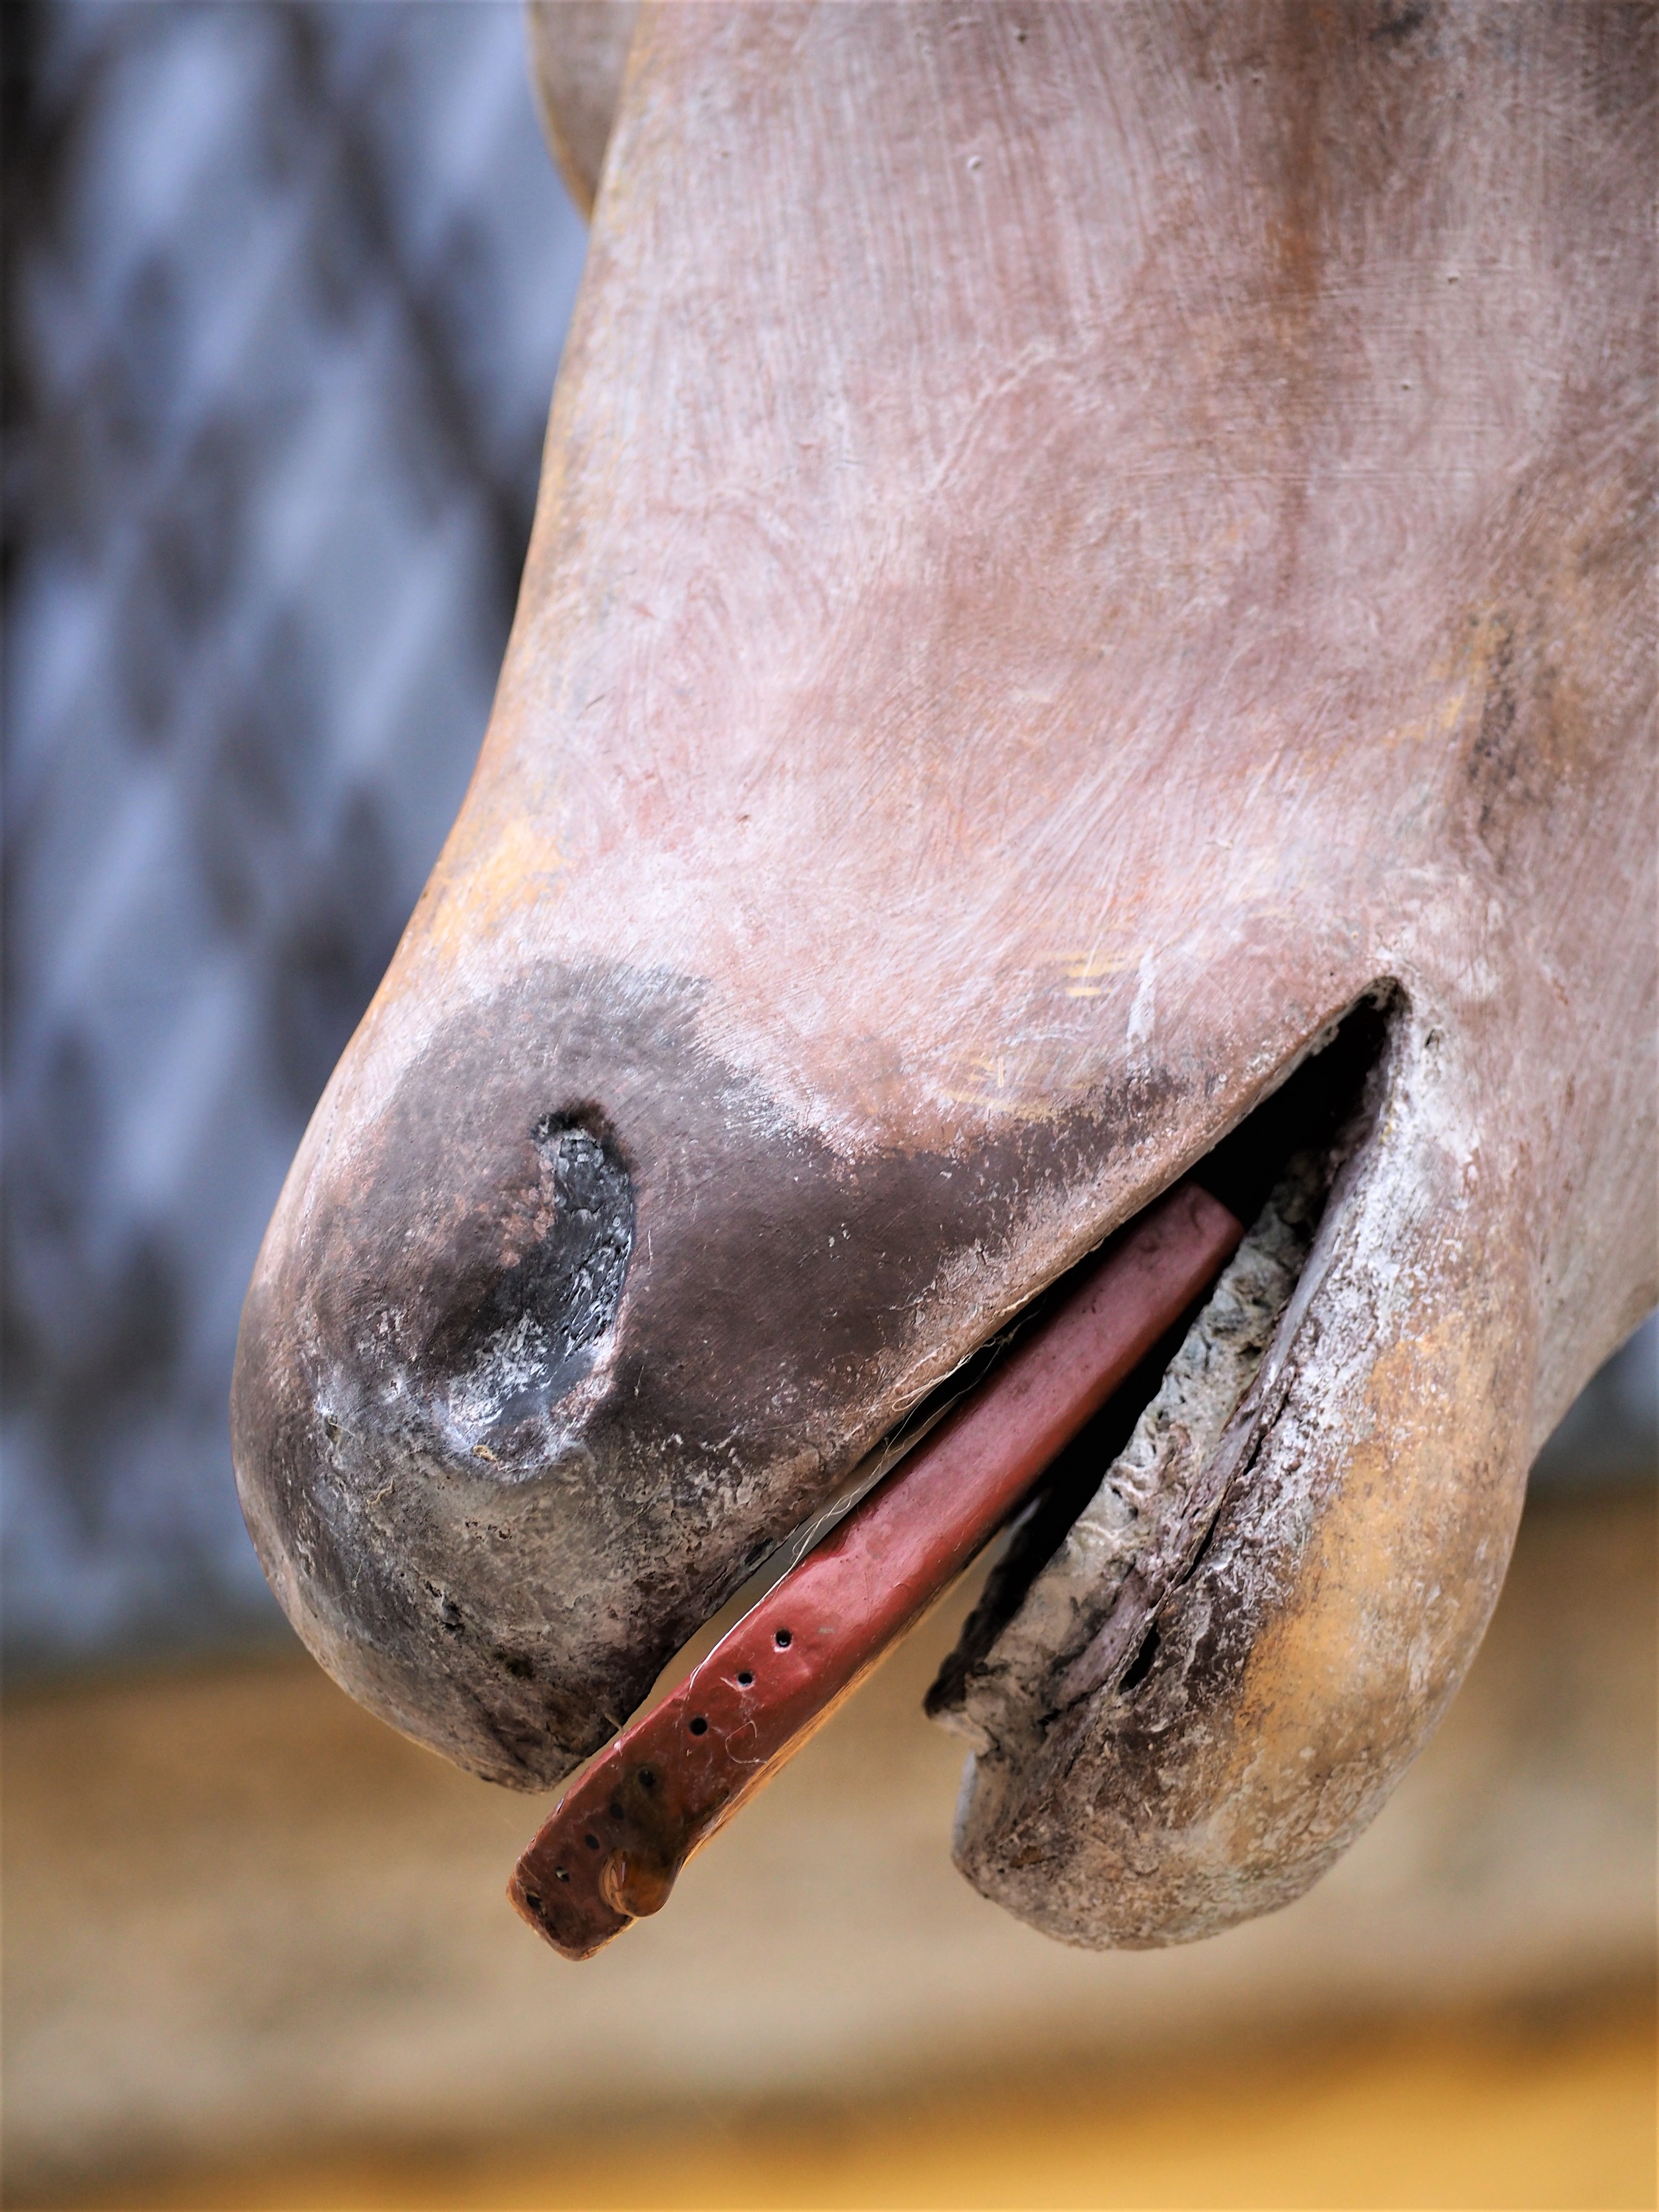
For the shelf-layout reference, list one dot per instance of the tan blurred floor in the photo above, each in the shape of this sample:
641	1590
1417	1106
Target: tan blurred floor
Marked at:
1501	2111
248	1929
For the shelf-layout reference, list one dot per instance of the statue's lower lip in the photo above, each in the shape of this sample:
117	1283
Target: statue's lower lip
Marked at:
616	1841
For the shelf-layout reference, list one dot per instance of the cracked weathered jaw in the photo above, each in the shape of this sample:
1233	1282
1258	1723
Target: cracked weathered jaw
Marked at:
1188	1697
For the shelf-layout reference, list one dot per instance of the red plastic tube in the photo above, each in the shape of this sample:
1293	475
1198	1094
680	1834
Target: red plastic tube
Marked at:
615	1842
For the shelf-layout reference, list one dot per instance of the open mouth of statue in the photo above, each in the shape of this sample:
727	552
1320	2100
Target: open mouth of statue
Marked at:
1019	1439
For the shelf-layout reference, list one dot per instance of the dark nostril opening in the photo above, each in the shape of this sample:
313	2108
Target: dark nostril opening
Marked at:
744	1678
593	1843
616	1809
532	1900
560	1875
647	1779
535	1330
699	1726
783	1639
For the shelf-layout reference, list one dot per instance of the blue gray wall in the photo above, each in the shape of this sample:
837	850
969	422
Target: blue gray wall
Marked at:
288	284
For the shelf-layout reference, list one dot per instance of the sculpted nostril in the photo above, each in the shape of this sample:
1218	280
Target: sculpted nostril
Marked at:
531	1329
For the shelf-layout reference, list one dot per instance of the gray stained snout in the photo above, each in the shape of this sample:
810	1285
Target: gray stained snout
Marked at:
544	1354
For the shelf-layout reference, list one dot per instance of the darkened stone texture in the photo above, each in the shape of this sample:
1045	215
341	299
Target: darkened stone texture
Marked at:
499	1469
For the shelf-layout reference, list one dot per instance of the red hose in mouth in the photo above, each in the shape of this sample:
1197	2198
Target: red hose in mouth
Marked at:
613	1844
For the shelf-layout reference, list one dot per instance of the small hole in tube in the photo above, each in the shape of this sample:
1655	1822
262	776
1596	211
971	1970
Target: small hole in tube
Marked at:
744	1678
699	1726
783	1639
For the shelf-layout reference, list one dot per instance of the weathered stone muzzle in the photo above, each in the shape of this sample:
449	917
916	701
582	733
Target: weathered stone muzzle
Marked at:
1076	544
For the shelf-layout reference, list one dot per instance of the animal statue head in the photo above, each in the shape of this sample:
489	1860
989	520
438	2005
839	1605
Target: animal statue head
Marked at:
1090	593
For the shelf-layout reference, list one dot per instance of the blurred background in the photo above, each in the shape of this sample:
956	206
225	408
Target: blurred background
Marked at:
286	286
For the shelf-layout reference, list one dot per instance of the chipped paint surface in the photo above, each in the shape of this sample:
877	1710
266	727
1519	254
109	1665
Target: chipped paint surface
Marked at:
1359	1547
1013	1695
